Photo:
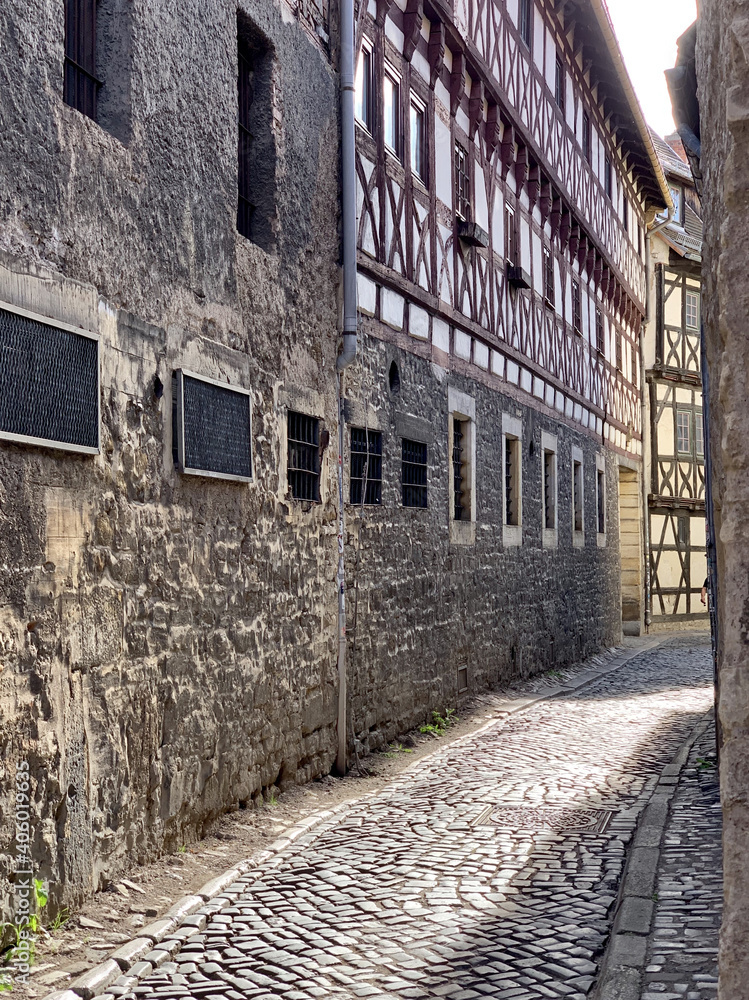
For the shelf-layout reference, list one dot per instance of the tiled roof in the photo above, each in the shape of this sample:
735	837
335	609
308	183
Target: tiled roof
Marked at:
672	163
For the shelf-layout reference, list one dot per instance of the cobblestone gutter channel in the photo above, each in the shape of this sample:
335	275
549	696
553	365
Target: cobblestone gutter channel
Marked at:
407	893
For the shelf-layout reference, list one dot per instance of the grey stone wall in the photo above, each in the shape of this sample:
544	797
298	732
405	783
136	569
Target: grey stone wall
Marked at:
428	606
723	77
167	643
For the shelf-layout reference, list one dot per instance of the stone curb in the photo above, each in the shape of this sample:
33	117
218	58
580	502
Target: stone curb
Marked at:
138	957
620	974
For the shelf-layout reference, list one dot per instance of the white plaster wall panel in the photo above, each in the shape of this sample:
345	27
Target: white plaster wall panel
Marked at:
418	322
462	345
549	395
559	402
481	209
497	364
539	387
538	41
568	408
551	60
441	335
525	244
577	412
443	162
512	10
513	372
366	291
526	380
537	262
391	308
481	354
444	266
461	120
420	65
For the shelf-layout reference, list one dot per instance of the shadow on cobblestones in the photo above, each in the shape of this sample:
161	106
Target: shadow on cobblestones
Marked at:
419	892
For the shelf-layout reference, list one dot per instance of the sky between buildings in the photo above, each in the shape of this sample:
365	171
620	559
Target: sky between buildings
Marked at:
647	31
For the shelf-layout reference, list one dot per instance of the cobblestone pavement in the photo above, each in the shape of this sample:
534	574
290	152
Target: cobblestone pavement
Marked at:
488	869
683	949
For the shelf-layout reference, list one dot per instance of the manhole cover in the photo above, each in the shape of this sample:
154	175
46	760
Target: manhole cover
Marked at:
557	818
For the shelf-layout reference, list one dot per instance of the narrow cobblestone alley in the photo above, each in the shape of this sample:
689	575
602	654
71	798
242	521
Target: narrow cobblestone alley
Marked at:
491	868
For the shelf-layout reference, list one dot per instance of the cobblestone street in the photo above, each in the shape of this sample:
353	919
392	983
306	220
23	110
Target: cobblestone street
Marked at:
490	868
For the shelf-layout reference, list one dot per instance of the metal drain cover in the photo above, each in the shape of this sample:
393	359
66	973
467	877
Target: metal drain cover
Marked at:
560	819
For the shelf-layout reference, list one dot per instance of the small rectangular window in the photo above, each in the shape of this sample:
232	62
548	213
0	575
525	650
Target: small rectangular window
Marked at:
699	441
577	317
677	200
212	431
682	532
363	89
559	83
601	500
366	466
511	237
49	383
586	136
303	462
683	432
692	310
80	86
639	239
633	363
525	21
256	150
512	480
600	346
548	275
461	484
418	141
414	473
607	177
392	112
462	183
577	495
619	362
625	213
550	490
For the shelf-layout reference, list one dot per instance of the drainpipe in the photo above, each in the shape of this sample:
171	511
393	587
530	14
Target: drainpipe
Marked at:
348	354
646	425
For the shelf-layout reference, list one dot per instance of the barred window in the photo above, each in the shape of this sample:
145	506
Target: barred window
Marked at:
80	86
550	493
462	183
577	319
525	21
559	83
548	275
212	428
414	473
601	500
49	383
303	463
256	152
512	480
461	483
366	466
577	495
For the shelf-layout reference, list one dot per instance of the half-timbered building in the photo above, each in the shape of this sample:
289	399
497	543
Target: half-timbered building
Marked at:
506	178
675	463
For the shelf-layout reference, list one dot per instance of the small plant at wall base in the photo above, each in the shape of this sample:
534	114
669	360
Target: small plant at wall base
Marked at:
440	723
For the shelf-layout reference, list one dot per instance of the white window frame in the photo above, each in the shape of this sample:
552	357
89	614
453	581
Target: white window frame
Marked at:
601	471
397	82
578	535
418	106
680	411
696	296
206	473
462	407
369	106
512	428
79	449
549	445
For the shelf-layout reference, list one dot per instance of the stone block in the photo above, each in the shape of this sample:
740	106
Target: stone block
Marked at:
96	980
132	952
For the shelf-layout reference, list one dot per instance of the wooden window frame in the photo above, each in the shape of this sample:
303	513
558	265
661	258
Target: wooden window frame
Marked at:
560	83
585	140
577	309
600	335
462	181
393	77
512	248
549	282
525	22
418	119
365	79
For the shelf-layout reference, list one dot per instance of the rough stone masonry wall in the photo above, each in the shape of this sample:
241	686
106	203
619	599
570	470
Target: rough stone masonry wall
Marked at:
428	606
167	643
723	74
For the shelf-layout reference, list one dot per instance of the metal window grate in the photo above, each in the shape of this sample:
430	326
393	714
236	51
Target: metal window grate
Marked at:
366	466
80	86
462	183
414	473
512	450
577	495
303	456
601	502
459	437
49	384
213	430
550	513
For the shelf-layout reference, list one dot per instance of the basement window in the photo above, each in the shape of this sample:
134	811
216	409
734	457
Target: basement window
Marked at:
256	150
213	428
49	383
303	461
414	473
366	466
